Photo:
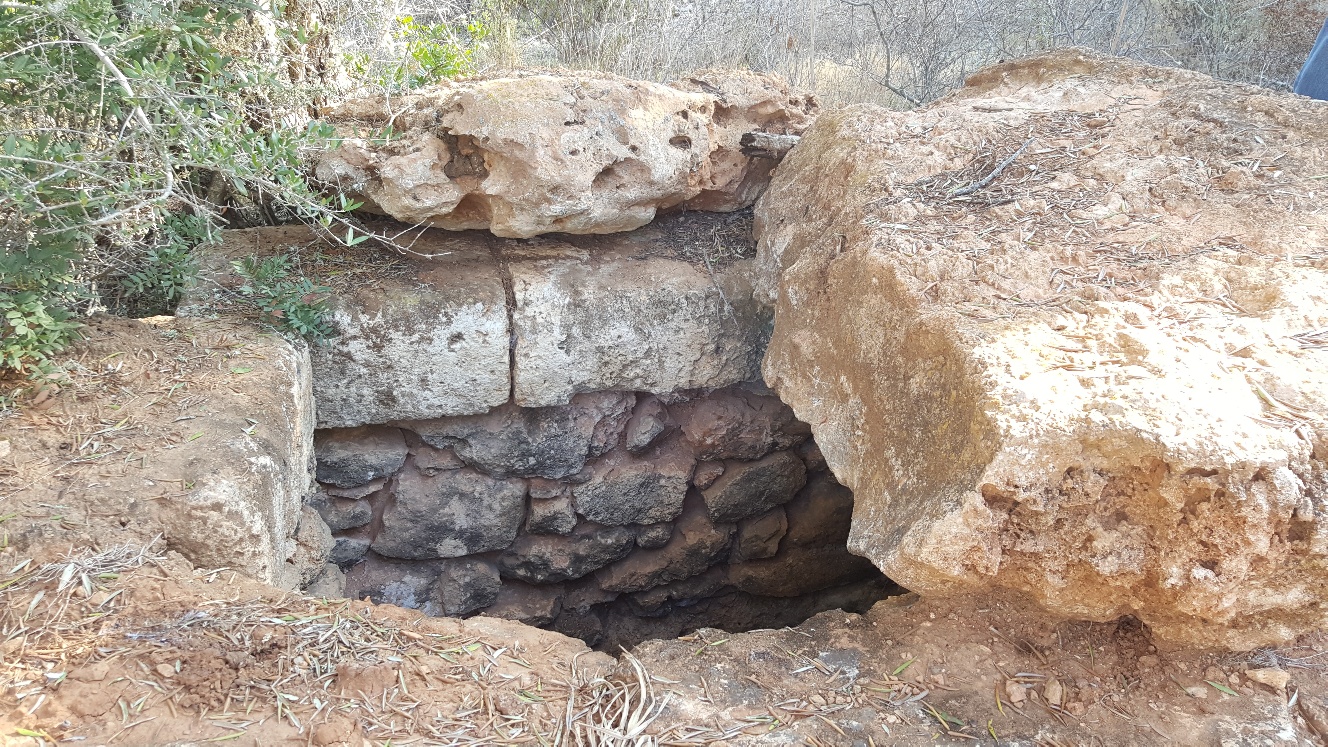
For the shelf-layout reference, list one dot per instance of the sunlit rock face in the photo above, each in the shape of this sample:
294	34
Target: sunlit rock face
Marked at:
574	154
1057	334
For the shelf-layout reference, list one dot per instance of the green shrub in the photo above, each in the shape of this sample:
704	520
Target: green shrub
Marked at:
31	331
430	52
285	299
127	128
168	267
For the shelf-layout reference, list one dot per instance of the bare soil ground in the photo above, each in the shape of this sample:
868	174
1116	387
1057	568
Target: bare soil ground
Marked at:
108	636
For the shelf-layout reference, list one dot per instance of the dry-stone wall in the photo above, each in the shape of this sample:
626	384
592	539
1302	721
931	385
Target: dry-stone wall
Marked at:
616	517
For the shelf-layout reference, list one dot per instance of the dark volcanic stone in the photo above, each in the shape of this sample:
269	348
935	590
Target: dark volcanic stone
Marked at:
359	491
751	488
544	559
388	581
811	456
627	490
737	424
616	408
341	513
812	554
759	536
431	461
550	442
542	489
820	514
350	457
586	625
648	423
553	516
532	605
454	513
696	545
653	536
466	585
707	473
686	592
347	550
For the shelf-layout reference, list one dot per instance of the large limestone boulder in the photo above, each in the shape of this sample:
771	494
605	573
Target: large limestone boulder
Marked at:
1062	333
580	153
745	102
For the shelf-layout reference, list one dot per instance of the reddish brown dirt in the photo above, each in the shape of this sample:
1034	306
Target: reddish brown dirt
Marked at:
140	648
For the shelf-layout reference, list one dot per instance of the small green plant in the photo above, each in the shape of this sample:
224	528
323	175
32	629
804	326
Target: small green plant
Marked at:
429	52
168	268
31	331
286	300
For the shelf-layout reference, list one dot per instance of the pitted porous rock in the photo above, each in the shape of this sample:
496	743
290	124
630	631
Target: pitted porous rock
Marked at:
696	544
750	488
524	156
627	490
456	513
745	101
465	585
1061	333
549	559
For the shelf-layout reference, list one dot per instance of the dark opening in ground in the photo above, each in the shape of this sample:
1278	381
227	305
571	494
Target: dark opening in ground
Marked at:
619	517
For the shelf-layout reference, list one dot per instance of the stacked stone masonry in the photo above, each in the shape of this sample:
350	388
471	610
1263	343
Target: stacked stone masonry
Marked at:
618	517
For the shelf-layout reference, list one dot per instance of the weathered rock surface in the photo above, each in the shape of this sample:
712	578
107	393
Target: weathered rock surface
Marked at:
431	460
417	347
1089	376
549	442
330	583
390	581
811	553
532	605
551	516
648	423
623	313
696	545
313	546
465	585
355	493
759	536
653	601
653	536
626	522
750	488
461	512
429	336
354	457
745	101
625	490
548	559
349	549
247	471
570	154
738	424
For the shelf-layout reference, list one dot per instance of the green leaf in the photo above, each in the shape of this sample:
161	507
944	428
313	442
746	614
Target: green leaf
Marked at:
1223	688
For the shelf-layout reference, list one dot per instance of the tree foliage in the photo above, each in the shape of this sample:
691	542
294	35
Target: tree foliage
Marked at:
129	130
420	53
